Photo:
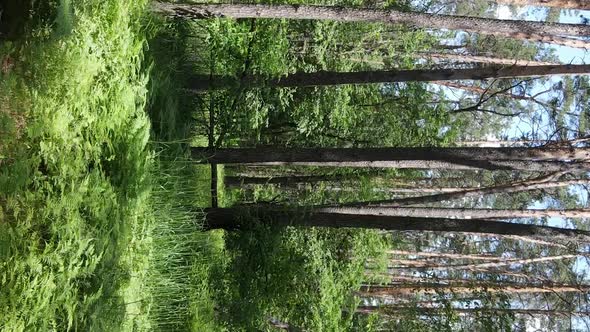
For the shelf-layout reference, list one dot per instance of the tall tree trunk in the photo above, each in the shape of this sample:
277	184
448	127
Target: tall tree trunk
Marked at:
506	158
432	191
395	278
487	59
325	78
566	4
445	255
533	184
461	213
467	279
236	181
392	310
238	218
548	243
401	191
524	30
408	184
409	191
434	288
502	143
505	262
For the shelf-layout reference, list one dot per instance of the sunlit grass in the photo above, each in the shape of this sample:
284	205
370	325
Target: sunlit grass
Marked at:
88	224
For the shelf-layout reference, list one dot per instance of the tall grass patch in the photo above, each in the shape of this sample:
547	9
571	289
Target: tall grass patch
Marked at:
74	183
182	256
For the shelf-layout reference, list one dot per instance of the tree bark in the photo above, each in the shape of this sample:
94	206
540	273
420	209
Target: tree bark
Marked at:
487	59
445	255
503	143
460	213
525	30
534	184
505	262
326	78
409	191
236	181
392	310
566	4
504	158
238	217
433	288
409	185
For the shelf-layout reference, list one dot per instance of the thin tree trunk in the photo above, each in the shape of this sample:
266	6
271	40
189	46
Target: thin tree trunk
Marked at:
392	310
506	262
434	288
480	91
236	181
449	47
533	184
237	218
444	255
513	158
430	182
460	58
326	78
487	59
400	191
535	241
409	191
502	143
409	263
461	213
566	4
395	277
525	30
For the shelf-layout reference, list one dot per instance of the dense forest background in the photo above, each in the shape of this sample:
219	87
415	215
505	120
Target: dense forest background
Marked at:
295	166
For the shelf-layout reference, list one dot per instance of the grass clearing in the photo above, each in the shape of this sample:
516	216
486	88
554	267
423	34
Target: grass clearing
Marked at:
84	240
74	184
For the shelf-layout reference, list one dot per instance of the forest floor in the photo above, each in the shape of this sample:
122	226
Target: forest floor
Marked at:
89	219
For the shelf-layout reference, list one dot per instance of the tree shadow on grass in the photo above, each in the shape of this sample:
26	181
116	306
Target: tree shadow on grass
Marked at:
14	15
18	16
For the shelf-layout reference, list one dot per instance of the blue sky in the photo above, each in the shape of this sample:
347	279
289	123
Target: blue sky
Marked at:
569	54
566	54
581	265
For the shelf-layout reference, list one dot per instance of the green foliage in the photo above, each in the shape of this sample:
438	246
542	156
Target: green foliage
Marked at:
181	255
74	184
335	116
305	277
85	243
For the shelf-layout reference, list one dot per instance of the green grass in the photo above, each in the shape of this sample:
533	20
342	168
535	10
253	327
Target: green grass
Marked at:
181	257
74	184
86	223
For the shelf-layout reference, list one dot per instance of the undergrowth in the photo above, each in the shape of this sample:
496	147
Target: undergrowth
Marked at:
83	243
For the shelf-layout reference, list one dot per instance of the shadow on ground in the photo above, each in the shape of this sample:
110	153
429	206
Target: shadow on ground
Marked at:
17	15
